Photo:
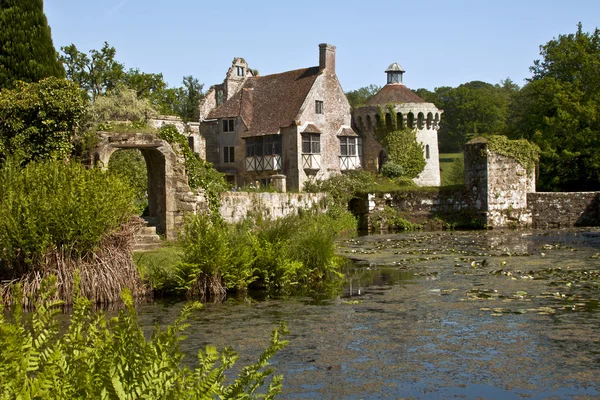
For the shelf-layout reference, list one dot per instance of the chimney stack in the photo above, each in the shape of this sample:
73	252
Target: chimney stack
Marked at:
327	57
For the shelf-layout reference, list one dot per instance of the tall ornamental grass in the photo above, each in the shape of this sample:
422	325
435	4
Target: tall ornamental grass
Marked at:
58	216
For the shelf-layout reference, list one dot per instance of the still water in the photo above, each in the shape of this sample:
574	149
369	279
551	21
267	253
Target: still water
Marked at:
494	315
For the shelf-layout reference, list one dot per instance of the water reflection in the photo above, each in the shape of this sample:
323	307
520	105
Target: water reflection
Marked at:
494	315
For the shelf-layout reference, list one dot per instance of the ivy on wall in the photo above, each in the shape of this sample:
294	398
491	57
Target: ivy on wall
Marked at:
524	152
201	174
401	144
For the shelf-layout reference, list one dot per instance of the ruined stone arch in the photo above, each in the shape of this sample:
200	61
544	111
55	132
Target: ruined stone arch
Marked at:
167	178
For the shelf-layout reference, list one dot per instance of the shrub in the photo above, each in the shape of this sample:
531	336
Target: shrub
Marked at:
392	170
281	255
57	216
97	357
131	166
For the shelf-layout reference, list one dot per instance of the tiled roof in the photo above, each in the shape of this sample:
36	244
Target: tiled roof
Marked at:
311	128
267	103
394	93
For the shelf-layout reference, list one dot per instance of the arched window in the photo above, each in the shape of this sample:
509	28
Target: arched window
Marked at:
388	121
411	120
420	121
360	124
377	121
400	121
427	152
429	120
369	123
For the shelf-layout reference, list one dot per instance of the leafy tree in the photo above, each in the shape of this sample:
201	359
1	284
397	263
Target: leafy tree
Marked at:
97	74
188	98
38	120
359	97
559	110
121	104
26	49
471	108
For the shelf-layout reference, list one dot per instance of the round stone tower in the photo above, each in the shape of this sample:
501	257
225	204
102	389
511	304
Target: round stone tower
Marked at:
404	108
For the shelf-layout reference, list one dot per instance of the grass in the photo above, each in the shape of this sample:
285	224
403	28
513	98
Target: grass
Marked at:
447	161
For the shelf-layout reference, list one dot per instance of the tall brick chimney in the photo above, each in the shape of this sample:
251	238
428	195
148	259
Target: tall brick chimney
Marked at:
327	57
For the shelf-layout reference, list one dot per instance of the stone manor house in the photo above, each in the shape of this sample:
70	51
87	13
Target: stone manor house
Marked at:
295	126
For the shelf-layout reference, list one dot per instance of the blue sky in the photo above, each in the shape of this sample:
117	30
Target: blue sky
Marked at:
438	43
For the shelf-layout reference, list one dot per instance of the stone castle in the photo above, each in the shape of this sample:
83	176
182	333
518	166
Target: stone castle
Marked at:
289	128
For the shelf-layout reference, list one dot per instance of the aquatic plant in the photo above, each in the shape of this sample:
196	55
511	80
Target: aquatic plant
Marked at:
96	357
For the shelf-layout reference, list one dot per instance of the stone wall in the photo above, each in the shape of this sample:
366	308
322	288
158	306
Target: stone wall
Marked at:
417	205
235	206
497	186
560	210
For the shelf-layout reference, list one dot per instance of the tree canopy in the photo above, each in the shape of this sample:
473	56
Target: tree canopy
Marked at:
358	97
26	49
559	110
38	120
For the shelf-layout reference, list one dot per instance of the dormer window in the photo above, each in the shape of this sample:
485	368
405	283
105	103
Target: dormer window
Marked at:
239	71
219	97
319	107
228	125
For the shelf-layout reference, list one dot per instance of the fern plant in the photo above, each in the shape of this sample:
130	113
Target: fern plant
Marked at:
104	358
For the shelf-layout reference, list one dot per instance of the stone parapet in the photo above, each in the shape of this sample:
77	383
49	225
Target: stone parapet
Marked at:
563	210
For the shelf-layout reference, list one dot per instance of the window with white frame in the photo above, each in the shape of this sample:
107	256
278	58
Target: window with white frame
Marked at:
311	143
228	154
228	125
348	146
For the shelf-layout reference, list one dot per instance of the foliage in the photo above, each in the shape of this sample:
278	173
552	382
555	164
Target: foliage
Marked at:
26	49
38	120
559	110
97	74
201	173
189	97
159	268
56	205
97	357
292	253
359	97
214	259
343	188
452	169
121	104
131	167
394	220
471	109
522	151
392	170
401	144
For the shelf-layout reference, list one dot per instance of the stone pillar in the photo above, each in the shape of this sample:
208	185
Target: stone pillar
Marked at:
279	182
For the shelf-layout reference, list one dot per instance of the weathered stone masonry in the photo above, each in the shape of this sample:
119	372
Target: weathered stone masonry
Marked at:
560	210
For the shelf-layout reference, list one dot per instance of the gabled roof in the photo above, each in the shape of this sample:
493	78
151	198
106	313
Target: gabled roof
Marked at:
394	93
268	103
311	128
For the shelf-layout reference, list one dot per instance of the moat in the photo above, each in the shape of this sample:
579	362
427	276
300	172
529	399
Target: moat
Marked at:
489	314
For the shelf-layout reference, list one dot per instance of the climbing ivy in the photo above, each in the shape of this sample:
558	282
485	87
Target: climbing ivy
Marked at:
523	151
401	143
201	174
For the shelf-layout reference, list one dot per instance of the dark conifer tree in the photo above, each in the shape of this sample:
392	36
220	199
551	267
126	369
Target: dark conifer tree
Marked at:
26	49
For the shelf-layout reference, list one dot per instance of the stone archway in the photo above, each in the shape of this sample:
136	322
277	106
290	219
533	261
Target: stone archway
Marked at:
167	180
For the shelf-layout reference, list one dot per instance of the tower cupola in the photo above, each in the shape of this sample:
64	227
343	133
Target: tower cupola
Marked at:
394	73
